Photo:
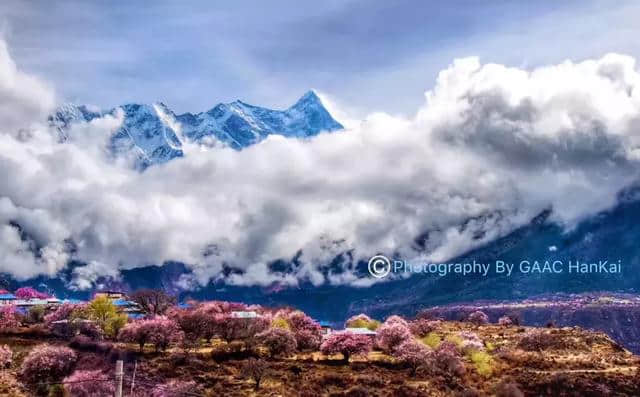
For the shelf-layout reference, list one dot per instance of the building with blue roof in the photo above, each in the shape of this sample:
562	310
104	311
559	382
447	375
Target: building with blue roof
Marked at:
131	309
122	303
326	327
7	298
74	301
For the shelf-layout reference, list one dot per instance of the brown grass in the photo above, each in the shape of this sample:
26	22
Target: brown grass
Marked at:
574	362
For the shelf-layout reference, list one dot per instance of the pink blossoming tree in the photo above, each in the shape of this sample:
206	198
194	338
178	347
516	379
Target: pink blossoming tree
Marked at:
69	319
478	318
47	363
279	341
346	343
470	341
307	331
62	312
135	332
204	315
160	331
391	334
413	354
396	320
447	359
30	293
89	384
8	318
195	324
422	327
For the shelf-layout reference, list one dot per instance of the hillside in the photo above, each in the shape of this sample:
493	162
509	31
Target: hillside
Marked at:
420	357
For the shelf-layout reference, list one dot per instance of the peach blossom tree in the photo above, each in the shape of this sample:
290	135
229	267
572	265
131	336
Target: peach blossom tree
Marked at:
347	344
135	332
478	318
413	354
391	334
30	293
47	363
279	341
159	330
89	384
8	317
422	327
162	332
307	331
447	359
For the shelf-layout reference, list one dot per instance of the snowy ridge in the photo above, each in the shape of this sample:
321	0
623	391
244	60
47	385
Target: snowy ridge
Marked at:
151	132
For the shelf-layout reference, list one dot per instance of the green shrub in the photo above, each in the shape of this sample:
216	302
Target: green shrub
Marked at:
364	323
490	346
483	362
432	340
56	391
35	314
280	322
455	339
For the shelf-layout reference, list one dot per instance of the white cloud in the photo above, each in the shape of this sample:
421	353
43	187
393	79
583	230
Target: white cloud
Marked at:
491	148
87	276
21	96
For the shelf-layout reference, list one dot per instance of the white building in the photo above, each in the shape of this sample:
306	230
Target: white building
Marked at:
244	315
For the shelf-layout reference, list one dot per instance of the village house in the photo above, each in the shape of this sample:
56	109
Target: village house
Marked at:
358	331
243	314
113	295
27	303
325	326
362	331
73	301
131	309
7	299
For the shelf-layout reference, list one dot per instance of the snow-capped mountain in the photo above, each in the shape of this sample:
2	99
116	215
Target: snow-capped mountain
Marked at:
239	124
153	133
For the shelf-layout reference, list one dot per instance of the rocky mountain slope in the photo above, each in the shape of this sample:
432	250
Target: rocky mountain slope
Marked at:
617	315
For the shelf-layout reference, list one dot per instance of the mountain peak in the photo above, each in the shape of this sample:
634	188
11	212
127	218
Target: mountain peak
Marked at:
309	97
239	102
311	94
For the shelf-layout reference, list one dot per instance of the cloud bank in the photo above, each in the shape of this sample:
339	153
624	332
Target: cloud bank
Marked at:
491	148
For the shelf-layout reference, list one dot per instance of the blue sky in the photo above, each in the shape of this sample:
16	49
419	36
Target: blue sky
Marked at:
366	55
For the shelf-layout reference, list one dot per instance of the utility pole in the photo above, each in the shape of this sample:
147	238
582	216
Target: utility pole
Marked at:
133	378
119	377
